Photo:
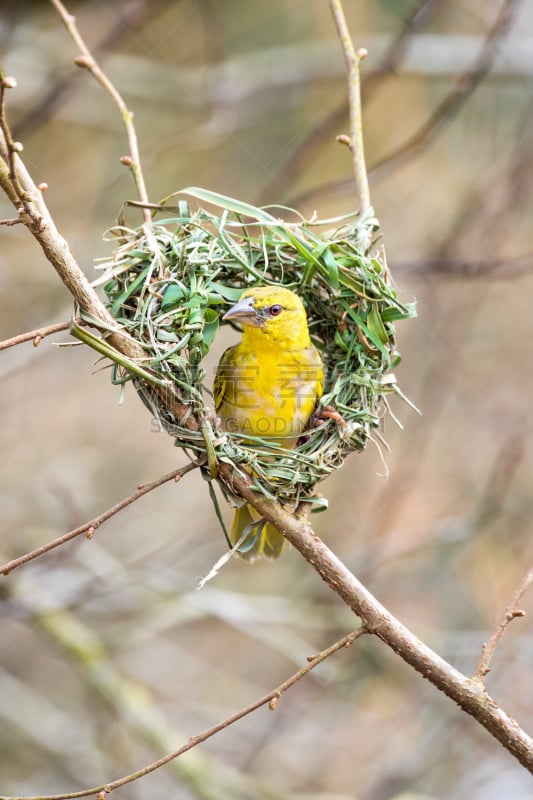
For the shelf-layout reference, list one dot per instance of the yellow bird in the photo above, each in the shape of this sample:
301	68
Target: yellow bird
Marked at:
267	386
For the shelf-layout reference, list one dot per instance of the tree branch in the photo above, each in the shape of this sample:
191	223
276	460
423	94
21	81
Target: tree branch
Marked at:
511	612
28	200
271	699
293	164
37	335
129	19
466	692
464	86
355	142
90	527
87	61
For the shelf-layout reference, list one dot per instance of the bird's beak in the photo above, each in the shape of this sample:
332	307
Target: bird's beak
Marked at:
244	312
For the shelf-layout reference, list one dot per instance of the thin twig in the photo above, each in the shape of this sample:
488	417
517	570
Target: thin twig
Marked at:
87	61
511	612
353	59
464	86
28	200
32	210
294	163
90	527
37	335
271	699
129	19
9	148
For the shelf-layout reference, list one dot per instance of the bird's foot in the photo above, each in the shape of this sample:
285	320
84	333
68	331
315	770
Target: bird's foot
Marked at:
323	414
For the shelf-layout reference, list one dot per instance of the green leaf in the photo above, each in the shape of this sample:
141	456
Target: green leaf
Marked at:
375	324
369	333
350	279
105	349
318	503
227	292
339	341
210	328
394	314
137	254
259	214
172	296
132	287
332	267
230	204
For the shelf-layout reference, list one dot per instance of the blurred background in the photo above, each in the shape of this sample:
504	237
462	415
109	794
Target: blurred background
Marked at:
109	655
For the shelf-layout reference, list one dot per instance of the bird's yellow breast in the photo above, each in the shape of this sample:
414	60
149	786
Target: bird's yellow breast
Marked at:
268	391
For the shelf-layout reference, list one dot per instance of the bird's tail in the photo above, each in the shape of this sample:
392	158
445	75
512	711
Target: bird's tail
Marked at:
263	540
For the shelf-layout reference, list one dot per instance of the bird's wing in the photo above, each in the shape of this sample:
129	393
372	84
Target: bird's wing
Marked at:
224	375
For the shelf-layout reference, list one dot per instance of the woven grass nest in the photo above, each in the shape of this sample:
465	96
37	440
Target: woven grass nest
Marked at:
169	288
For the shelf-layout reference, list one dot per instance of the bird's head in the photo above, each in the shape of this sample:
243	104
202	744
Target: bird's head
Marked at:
272	312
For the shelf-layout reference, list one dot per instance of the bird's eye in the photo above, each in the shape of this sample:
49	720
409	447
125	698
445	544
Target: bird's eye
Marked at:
275	310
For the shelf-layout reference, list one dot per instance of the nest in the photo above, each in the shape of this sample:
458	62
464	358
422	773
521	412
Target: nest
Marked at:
170	286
